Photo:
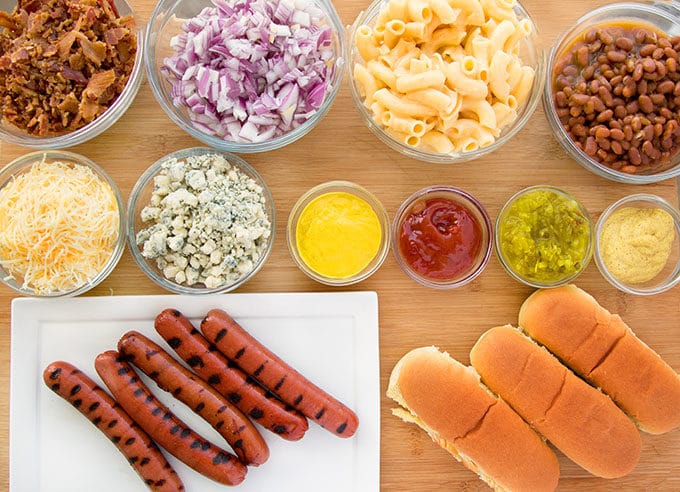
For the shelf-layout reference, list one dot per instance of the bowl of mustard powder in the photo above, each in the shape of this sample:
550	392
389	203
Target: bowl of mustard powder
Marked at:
637	246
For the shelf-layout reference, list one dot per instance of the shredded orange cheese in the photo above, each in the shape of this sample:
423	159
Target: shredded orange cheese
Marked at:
58	226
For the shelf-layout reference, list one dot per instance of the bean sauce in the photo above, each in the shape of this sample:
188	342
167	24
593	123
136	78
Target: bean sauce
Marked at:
617	94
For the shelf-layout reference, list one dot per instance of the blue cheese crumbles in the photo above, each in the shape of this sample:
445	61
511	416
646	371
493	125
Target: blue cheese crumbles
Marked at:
208	222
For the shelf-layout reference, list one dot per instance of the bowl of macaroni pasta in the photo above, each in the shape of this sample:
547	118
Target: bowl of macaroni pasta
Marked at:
445	81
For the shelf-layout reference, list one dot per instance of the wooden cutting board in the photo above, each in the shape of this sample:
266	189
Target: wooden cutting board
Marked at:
341	147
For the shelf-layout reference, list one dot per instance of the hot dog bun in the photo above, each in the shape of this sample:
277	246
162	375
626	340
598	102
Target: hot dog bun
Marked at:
602	349
578	419
446	399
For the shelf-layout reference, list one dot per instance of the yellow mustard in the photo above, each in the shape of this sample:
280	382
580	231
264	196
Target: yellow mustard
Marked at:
636	243
338	234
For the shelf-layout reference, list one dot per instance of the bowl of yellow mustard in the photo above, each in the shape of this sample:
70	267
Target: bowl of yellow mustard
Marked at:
338	233
637	247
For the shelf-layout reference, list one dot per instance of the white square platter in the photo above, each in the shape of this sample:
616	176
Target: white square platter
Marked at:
332	338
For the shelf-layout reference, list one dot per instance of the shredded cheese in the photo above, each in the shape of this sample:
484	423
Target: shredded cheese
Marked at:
59	224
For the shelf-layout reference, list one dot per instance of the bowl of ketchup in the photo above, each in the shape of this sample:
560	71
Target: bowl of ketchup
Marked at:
441	237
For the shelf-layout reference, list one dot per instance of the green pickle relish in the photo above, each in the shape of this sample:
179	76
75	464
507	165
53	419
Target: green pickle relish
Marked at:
544	236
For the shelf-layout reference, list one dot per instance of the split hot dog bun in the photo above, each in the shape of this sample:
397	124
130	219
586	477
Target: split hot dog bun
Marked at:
446	399
602	349
579	420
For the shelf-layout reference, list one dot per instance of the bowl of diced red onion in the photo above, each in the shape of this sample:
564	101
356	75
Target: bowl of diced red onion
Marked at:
245	75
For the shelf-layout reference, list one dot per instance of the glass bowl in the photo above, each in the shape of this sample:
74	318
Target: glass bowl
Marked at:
545	222
640	241
87	280
166	22
15	135
209	221
661	17
435	211
531	54
348	206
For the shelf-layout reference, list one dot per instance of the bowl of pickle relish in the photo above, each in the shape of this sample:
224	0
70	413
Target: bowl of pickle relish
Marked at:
544	237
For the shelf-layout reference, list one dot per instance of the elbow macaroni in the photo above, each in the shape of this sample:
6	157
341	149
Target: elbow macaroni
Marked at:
444	75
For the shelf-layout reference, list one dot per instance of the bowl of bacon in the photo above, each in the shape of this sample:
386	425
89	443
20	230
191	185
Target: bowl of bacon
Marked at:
69	69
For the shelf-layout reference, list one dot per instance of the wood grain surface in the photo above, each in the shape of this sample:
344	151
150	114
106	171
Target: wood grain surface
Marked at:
341	147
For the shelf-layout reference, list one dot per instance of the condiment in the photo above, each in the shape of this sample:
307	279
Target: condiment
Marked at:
59	224
440	238
338	234
544	236
636	243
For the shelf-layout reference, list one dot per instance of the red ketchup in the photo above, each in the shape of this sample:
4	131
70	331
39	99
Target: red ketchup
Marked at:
440	238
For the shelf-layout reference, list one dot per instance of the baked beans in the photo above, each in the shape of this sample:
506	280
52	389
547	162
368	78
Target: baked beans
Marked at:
617	94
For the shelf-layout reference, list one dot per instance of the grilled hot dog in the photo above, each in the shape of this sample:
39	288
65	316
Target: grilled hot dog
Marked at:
107	415
291	386
240	389
163	426
171	376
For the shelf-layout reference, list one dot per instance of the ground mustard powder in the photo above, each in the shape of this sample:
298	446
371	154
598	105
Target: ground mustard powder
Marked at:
636	243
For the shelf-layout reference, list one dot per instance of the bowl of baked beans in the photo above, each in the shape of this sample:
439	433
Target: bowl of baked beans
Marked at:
613	92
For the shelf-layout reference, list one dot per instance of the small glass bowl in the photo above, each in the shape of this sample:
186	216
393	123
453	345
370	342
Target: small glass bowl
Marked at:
140	197
669	276
362	194
166	21
103	122
459	197
663	17
533	282
23	164
530	52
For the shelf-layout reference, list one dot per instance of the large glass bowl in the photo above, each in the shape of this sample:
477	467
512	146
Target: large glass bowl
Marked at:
103	122
662	17
140	197
166	21
22	165
530	52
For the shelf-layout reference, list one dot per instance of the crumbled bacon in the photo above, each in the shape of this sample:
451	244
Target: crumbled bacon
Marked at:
62	63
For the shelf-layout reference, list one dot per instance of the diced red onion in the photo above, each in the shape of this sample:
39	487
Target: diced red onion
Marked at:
251	70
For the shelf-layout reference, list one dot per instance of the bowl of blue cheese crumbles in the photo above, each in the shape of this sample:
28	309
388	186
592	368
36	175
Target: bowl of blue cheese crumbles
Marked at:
200	221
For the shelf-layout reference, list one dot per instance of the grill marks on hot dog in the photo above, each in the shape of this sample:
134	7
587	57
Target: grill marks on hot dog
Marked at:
107	415
240	389
240	433
288	384
163	426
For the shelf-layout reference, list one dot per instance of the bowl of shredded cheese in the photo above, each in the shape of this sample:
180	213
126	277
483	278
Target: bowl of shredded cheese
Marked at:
61	224
200	221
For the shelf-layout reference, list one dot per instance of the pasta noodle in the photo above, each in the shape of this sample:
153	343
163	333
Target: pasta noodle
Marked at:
382	73
444	75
